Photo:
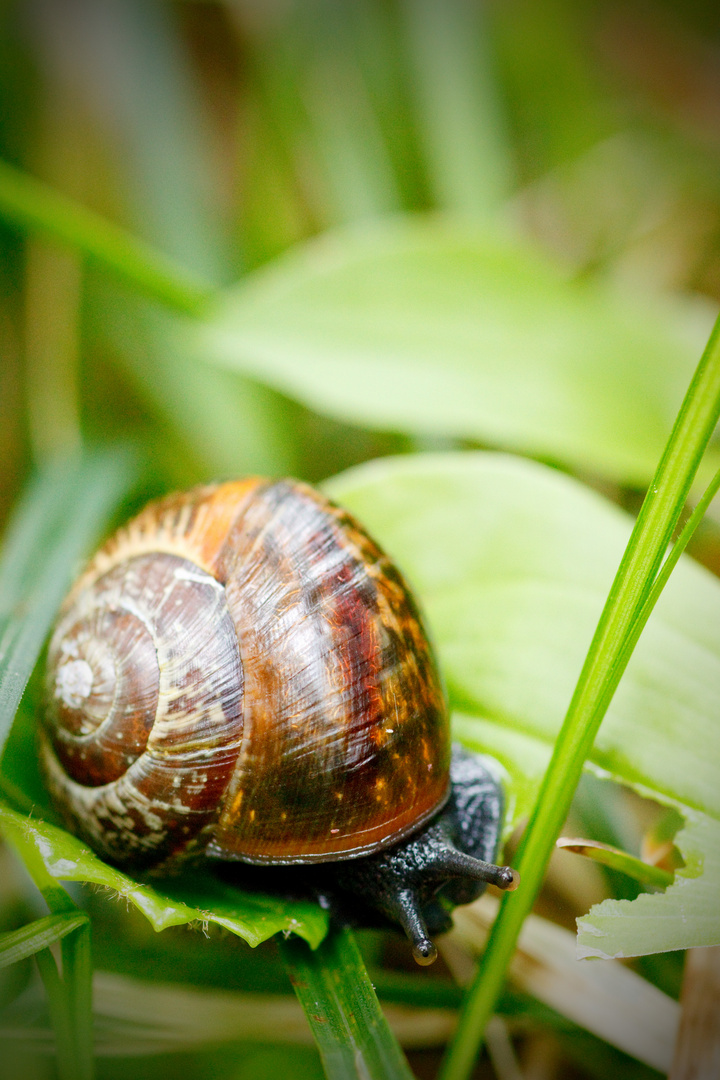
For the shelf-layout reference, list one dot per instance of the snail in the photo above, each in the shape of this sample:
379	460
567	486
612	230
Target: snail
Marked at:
242	674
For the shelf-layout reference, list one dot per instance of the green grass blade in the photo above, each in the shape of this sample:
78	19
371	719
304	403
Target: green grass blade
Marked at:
77	976
616	859
41	502
465	143
16	945
36	206
654	591
70	997
334	989
343	123
605	662
59	1014
55	525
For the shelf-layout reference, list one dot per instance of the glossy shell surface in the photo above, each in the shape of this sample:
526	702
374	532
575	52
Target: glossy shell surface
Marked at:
241	670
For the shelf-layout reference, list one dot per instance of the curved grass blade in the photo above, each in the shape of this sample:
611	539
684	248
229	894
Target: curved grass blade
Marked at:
607	855
38	207
57	521
17	945
334	989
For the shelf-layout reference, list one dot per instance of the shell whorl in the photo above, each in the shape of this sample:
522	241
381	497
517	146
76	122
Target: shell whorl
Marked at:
271	674
143	742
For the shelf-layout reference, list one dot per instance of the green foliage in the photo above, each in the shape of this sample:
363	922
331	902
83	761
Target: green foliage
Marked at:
61	514
513	563
546	306
32	938
191	900
333	987
427	326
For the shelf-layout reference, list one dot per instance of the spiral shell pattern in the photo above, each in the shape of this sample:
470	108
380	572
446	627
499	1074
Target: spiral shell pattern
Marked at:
242	671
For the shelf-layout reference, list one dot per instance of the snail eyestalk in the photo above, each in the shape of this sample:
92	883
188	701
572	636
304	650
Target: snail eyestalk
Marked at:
450	863
425	953
406	910
510	879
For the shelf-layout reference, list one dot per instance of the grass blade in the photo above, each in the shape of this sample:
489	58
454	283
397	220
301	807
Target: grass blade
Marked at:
56	523
36	206
77	976
615	859
69	996
466	146
334	989
625	610
59	1014
16	945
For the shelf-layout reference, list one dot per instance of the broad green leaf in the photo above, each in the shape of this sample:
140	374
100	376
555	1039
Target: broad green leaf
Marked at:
424	326
170	904
688	911
61	515
16	945
512	563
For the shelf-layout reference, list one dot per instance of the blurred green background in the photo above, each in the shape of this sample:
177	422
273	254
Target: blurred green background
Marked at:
226	133
413	225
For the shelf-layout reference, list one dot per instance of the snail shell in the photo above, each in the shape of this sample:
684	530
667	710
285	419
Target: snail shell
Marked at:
241	671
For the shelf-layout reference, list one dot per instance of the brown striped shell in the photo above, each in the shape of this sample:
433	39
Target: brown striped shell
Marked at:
242	671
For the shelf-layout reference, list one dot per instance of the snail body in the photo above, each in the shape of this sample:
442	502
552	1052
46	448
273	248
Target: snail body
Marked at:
242	673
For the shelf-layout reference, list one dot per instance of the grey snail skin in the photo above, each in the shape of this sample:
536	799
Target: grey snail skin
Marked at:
242	675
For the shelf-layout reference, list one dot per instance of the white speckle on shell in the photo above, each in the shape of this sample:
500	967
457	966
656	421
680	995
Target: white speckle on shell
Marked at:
73	683
182	573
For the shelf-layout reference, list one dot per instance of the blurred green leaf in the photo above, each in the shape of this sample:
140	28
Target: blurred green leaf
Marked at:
167	170
253	918
462	129
513	563
37	207
69	995
61	515
141	1016
342	124
170	189
423	326
557	97
29	939
235	426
